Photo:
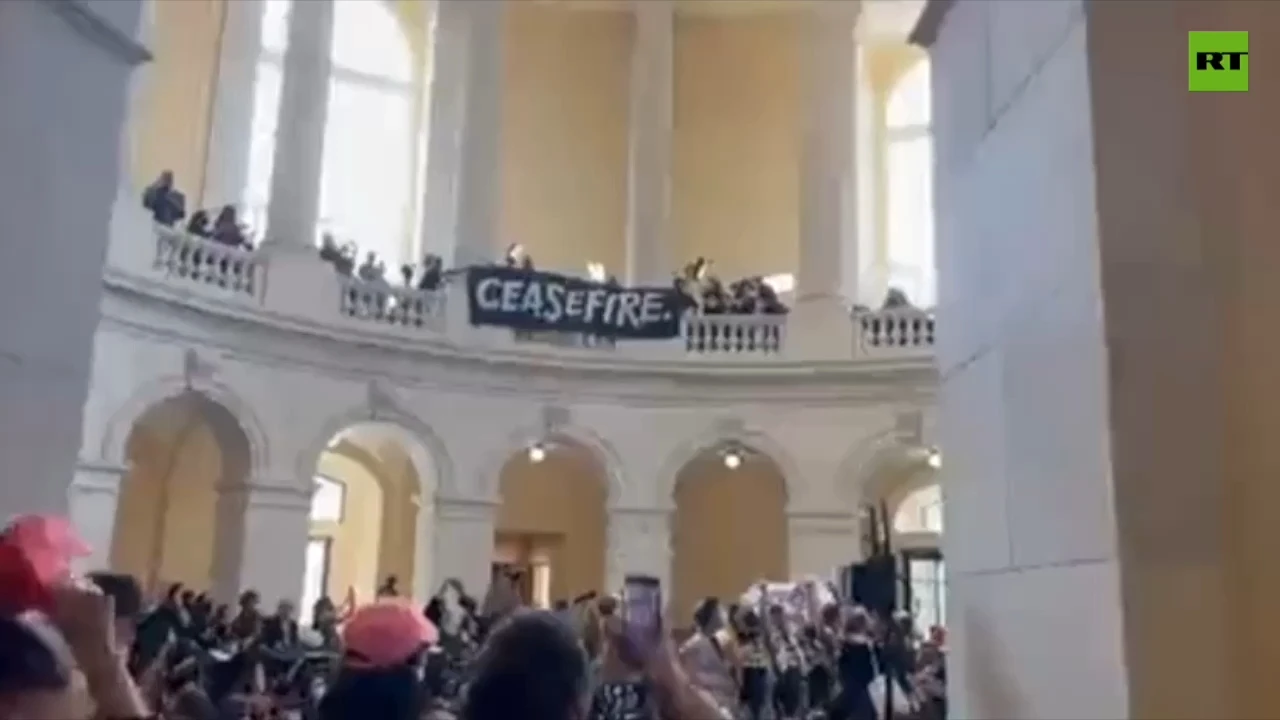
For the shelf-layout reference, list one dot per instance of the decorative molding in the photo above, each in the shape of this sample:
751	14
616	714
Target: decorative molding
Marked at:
822	523
195	372
730	428
156	311
468	510
266	495
119	425
99	477
556	416
416	435
925	33
91	26
382	400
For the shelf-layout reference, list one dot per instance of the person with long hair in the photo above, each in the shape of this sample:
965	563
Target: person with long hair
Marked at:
704	656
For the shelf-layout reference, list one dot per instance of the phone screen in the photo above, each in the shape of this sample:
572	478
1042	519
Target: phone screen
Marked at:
642	611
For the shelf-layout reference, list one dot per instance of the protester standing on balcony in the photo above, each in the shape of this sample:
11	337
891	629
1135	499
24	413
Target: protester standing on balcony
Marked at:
226	228
166	204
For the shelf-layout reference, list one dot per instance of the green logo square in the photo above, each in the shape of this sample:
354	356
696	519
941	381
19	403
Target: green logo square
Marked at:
1218	61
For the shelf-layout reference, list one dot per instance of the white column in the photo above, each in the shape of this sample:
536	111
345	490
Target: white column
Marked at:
639	543
424	549
820	326
261	540
464	176
446	97
64	78
464	543
649	143
820	543
226	171
93	499
294	208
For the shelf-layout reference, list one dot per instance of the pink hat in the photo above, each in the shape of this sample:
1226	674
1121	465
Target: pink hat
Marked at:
386	633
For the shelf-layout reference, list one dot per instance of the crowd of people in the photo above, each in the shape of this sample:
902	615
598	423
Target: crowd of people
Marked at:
79	648
709	295
702	289
168	207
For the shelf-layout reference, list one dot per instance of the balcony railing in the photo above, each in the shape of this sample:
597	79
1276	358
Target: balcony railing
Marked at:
208	263
733	334
398	306
894	331
906	332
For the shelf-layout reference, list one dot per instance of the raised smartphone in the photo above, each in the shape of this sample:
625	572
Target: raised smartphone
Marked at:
642	612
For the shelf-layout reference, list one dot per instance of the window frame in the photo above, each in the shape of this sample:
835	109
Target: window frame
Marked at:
319	481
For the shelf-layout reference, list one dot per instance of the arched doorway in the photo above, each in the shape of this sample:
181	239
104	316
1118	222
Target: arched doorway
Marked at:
917	536
370	515
551	524
174	523
730	526
903	489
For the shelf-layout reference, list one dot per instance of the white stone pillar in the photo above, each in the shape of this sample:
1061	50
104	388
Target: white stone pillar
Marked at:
820	543
294	208
261	540
226	173
820	327
424	549
639	543
64	77
464	543
649	143
462	200
446	99
93	499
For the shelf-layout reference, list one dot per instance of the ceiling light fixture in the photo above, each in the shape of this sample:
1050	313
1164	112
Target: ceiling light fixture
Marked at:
935	459
732	459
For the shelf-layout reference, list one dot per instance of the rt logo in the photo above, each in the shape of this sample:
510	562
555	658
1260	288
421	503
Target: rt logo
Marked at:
1218	61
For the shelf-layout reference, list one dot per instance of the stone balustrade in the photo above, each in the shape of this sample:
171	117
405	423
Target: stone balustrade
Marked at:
411	314
379	302
733	334
895	331
198	260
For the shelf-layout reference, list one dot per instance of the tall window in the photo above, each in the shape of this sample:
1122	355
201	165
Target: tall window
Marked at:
315	574
328	501
921	511
370	147
910	187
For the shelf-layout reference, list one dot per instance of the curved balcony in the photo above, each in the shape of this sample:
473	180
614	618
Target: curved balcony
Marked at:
299	287
285	369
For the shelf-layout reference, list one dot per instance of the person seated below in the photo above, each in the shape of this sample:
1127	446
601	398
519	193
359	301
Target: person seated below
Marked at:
198	225
166	204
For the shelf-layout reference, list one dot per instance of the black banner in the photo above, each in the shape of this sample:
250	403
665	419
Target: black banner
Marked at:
532	300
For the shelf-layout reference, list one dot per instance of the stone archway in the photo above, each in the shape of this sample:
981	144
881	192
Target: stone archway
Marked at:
729	529
173	521
371	515
552	519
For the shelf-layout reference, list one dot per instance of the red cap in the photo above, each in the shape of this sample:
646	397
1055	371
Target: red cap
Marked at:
35	554
386	633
